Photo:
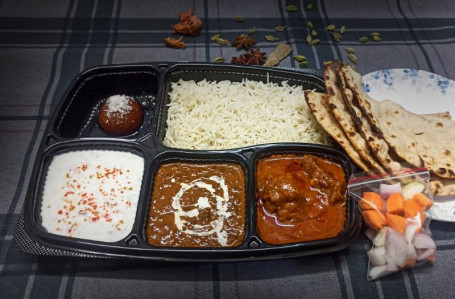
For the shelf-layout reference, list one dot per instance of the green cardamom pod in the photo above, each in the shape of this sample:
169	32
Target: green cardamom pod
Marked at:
303	64
331	27
343	29
309	25
213	38
222	41
315	42
363	39
308	39
353	58
300	58
376	38
252	31
238	19
291	8
314	33
349	50
219	60
280	28
270	38
310	6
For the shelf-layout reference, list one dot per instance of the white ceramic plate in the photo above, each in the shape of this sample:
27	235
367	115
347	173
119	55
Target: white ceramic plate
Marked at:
419	92
416	90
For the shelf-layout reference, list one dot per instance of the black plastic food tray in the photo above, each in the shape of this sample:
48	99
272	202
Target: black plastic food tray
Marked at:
74	126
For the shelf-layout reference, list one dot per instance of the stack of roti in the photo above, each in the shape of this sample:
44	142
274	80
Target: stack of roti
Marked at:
383	136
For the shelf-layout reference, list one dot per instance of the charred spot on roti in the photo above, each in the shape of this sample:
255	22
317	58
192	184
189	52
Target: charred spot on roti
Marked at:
396	112
330	90
393	136
447	153
441	170
389	123
419	133
352	134
439	125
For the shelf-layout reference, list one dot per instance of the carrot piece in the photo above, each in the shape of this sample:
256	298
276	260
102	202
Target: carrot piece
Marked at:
424	202
371	200
396	222
374	219
409	263
395	203
411	209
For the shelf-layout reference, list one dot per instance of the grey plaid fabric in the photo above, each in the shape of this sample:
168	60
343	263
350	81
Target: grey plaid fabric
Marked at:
45	44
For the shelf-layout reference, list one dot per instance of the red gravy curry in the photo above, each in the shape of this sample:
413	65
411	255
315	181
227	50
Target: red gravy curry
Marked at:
197	205
299	198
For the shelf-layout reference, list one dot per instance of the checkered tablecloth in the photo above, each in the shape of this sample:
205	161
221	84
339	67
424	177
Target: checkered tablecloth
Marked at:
44	44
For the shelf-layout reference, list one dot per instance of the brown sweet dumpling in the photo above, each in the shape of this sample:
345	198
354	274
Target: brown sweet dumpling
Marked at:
120	115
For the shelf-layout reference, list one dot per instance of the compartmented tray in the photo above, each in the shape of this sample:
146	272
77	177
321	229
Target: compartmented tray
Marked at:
74	127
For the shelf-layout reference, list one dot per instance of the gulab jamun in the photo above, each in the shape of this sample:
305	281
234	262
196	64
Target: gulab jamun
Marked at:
120	115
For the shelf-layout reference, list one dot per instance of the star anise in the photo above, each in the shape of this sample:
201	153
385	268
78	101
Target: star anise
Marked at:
189	23
244	41
255	57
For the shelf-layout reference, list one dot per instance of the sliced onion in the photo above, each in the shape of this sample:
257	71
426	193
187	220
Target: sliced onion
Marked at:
379	238
386	190
425	254
378	271
377	256
412	226
396	247
391	266
370	233
423	241
411	253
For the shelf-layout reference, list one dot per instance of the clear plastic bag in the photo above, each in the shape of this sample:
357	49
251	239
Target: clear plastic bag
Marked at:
394	209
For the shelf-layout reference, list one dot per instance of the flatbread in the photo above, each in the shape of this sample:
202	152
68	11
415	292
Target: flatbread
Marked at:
418	139
442	187
319	106
343	116
358	103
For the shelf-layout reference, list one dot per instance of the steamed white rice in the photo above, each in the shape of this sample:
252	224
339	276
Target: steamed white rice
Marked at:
221	115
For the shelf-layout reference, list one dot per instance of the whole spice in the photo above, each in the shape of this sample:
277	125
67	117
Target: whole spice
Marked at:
280	28
343	29
219	60
213	38
349	50
238	19
315	42
291	8
303	63
271	38
280	52
244	41
330	27
376	38
353	58
337	36
175	43
308	39
189	24
309	25
299	58
314	33
252	31
309	6
222	41
255	57
363	39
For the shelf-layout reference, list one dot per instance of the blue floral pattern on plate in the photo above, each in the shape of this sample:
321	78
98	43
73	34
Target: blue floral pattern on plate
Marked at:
416	90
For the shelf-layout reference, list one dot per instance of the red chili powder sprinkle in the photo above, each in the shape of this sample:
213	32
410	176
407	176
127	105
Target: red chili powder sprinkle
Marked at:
60	212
